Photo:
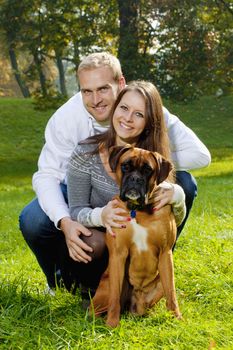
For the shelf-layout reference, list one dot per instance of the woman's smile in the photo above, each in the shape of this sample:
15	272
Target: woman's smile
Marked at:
124	126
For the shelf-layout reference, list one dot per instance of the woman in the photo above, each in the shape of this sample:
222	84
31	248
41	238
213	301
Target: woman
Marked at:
136	118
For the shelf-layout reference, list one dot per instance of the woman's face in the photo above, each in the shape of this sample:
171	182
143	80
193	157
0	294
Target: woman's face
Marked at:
129	118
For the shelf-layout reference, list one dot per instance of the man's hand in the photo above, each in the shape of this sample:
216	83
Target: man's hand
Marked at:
77	248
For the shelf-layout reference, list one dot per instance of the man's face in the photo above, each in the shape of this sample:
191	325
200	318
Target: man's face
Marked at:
99	91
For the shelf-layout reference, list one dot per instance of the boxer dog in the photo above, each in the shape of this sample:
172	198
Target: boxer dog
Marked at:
146	242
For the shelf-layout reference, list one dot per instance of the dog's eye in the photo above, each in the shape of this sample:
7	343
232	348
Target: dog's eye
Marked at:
147	170
126	167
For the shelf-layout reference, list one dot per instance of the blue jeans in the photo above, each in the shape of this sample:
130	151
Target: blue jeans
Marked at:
48	243
189	185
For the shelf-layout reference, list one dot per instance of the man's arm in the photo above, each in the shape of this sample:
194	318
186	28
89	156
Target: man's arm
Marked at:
187	150
64	130
51	172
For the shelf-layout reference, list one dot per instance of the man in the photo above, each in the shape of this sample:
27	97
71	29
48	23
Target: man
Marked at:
45	222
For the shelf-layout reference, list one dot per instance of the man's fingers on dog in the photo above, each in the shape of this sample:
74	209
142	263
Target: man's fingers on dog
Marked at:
84	246
79	249
80	256
73	254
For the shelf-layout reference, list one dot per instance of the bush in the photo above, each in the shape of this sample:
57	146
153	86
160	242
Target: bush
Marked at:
52	100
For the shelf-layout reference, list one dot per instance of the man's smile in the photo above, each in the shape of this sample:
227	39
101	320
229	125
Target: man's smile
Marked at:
100	108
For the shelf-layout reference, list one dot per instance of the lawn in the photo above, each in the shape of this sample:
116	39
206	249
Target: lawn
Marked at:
203	260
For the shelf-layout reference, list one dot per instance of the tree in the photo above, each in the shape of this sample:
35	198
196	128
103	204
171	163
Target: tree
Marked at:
218	16
11	13
183	46
128	37
190	58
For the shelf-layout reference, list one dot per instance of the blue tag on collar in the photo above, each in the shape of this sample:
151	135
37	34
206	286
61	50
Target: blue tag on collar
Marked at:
133	214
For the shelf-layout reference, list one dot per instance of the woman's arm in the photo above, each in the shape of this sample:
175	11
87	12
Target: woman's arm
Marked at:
79	187
85	180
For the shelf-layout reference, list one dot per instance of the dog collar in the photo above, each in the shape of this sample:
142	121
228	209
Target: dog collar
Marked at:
133	214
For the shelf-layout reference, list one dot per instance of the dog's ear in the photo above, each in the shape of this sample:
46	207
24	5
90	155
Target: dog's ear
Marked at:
164	167
114	155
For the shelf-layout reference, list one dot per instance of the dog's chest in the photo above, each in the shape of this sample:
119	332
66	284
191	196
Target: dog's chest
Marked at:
139	237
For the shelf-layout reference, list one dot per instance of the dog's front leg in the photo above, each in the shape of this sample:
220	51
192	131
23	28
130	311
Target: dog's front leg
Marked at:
116	267
166	271
100	300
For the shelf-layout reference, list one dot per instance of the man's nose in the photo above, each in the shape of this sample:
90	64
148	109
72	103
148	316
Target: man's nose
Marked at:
96	97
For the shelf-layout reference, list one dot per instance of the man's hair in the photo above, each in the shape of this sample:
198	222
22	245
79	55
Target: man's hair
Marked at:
101	59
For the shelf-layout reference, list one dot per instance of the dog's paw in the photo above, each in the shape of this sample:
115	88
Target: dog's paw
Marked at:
178	315
112	322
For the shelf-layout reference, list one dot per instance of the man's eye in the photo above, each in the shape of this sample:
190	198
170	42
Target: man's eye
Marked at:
104	89
86	92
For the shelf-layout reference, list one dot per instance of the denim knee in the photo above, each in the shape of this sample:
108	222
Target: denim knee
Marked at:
188	183
34	223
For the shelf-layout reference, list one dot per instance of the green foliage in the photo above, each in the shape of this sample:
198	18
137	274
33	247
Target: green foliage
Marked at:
52	100
203	265
185	47
57	29
189	54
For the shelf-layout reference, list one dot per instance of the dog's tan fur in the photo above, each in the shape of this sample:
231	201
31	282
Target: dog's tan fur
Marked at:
147	240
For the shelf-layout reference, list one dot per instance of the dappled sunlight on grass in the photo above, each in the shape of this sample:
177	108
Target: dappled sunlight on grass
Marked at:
217	168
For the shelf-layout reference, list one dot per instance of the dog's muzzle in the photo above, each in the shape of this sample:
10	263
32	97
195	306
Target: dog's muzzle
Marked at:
133	189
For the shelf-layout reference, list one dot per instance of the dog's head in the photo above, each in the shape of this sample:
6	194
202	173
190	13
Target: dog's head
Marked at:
138	173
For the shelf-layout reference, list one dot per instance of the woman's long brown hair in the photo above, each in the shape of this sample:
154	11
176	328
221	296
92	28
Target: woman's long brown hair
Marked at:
154	137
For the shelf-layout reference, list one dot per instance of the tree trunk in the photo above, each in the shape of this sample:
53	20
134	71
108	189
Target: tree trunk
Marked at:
128	42
61	75
38	63
24	89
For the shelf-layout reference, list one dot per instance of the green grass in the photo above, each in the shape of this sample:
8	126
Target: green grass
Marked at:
203	257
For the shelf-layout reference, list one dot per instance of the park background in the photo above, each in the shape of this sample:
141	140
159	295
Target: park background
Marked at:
185	48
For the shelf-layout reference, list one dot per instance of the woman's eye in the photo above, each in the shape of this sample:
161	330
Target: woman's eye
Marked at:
123	107
140	115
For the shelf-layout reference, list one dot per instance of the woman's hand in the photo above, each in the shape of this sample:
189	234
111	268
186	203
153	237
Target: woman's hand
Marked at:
111	214
163	195
168	193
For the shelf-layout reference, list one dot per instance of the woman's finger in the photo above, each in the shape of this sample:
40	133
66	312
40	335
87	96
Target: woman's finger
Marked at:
109	230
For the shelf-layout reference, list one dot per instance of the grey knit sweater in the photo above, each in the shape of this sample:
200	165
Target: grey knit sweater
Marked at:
89	185
90	188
